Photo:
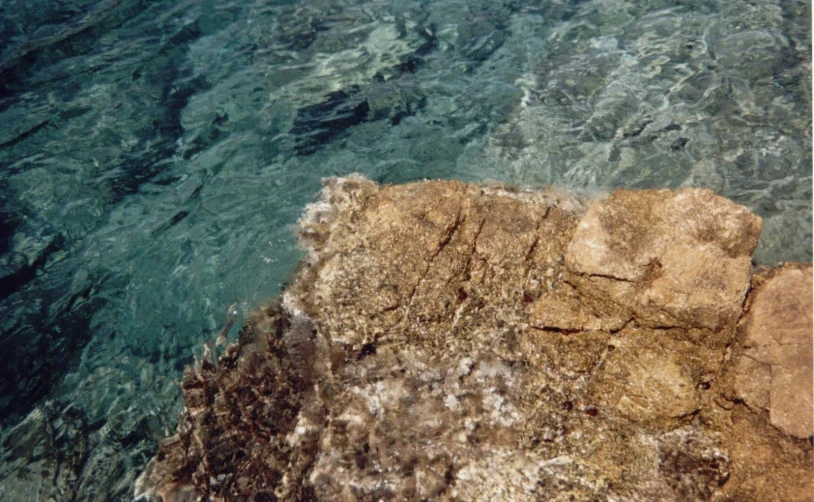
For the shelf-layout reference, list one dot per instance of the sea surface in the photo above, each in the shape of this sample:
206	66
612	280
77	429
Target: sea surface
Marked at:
155	156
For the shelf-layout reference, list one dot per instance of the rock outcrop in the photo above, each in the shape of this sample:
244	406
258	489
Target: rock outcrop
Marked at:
444	341
774	372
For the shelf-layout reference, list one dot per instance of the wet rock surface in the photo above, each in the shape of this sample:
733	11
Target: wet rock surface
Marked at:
445	341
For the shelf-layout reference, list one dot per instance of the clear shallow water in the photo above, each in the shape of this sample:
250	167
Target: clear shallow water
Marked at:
154	156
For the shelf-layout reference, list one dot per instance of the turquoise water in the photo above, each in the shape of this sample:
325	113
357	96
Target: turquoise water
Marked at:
154	157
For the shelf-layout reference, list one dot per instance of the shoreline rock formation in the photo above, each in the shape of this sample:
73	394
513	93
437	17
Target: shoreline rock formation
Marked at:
445	341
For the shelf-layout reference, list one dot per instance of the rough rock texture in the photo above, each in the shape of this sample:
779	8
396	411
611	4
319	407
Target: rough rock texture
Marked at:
774	372
672	258
445	341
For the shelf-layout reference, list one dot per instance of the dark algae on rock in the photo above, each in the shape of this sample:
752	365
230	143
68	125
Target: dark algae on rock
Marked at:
155	154
445	341
232	441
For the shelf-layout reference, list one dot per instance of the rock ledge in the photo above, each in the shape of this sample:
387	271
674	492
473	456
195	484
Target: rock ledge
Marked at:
445	341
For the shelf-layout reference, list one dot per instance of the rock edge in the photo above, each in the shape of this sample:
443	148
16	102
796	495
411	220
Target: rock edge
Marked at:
445	341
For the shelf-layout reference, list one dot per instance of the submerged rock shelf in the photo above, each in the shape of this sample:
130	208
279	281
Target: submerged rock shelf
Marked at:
445	341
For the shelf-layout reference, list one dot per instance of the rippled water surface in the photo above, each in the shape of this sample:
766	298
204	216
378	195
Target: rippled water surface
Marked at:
155	155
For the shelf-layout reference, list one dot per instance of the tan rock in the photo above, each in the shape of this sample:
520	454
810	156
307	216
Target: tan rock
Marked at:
563	309
654	374
445	341
753	382
775	370
564	355
672	258
765	464
395	227
456	247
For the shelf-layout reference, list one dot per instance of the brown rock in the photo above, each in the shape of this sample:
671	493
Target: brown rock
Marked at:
395	227
564	356
656	374
753	382
775	370
446	341
765	464
693	465
672	258
563	309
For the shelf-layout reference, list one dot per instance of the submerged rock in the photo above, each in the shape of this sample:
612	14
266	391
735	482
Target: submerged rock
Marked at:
445	341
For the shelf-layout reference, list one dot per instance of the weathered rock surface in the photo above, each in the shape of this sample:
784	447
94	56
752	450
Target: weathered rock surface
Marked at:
445	341
774	372
672	258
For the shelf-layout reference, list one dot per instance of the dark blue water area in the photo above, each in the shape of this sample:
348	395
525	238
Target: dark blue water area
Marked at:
155	157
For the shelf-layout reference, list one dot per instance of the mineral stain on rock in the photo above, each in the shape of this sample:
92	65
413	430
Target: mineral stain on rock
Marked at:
445	341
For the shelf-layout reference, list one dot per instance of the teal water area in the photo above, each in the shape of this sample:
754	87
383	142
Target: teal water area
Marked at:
155	155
